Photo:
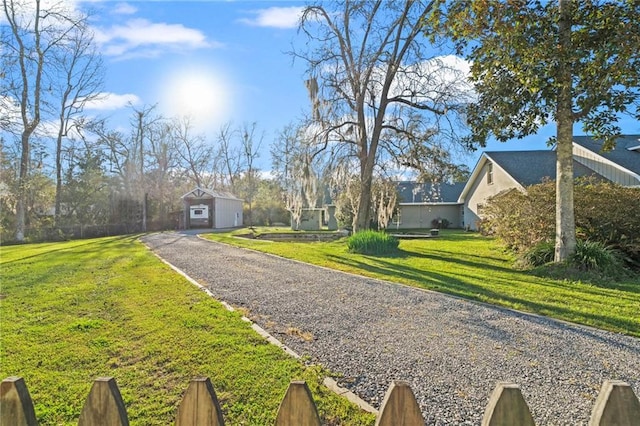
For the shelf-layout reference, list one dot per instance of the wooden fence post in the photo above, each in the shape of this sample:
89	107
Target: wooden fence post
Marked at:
507	407
297	408
399	407
104	406
200	406
616	405
16	406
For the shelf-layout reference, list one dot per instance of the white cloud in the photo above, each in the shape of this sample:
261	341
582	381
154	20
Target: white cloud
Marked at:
276	17
112	101
140	37
124	9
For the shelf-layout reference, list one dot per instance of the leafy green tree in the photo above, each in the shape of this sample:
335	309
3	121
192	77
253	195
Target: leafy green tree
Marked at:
536	62
268	207
85	199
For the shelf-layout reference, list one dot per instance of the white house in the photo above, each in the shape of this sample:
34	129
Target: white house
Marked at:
499	171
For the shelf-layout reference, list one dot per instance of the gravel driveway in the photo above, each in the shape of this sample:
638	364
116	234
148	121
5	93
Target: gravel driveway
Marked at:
451	351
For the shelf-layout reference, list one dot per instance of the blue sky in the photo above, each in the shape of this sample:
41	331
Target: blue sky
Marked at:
219	61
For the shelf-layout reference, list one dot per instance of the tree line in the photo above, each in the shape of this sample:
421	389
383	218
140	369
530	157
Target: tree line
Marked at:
388	93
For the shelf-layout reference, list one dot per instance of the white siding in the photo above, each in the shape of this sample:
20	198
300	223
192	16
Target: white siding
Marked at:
608	170
227	213
481	190
416	216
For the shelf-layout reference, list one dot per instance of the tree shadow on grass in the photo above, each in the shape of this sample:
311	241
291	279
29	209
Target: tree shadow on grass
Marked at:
77	245
466	289
626	282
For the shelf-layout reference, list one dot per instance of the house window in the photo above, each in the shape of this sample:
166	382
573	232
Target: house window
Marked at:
197	212
490	173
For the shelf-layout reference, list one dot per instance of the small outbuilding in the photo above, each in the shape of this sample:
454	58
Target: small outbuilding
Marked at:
206	208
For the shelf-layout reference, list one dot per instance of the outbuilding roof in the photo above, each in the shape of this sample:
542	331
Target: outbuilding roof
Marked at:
209	193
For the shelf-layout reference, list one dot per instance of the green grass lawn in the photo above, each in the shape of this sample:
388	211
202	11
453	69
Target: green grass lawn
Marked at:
474	267
74	311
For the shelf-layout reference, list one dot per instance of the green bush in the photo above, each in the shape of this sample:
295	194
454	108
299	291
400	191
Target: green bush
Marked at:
610	214
604	212
440	223
539	254
372	242
594	256
521	220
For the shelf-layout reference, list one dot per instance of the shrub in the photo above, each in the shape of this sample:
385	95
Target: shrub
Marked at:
521	220
604	212
610	214
596	257
372	242
440	223
539	254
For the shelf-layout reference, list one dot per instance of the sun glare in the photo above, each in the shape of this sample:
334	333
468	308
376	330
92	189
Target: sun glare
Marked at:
202	95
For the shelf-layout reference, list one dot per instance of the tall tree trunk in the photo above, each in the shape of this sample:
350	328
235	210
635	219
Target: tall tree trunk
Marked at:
363	217
21	207
143	193
58	173
565	220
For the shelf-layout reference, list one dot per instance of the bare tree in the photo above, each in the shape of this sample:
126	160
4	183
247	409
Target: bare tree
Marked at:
229	155
79	71
36	31
291	164
385	200
162	166
375	92
250	152
144	120
195	153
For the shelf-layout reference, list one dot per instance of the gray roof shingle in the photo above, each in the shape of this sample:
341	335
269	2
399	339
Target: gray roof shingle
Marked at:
531	167
414	192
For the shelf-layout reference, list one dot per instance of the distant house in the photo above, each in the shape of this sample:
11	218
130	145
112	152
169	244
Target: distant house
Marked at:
205	208
499	171
422	205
